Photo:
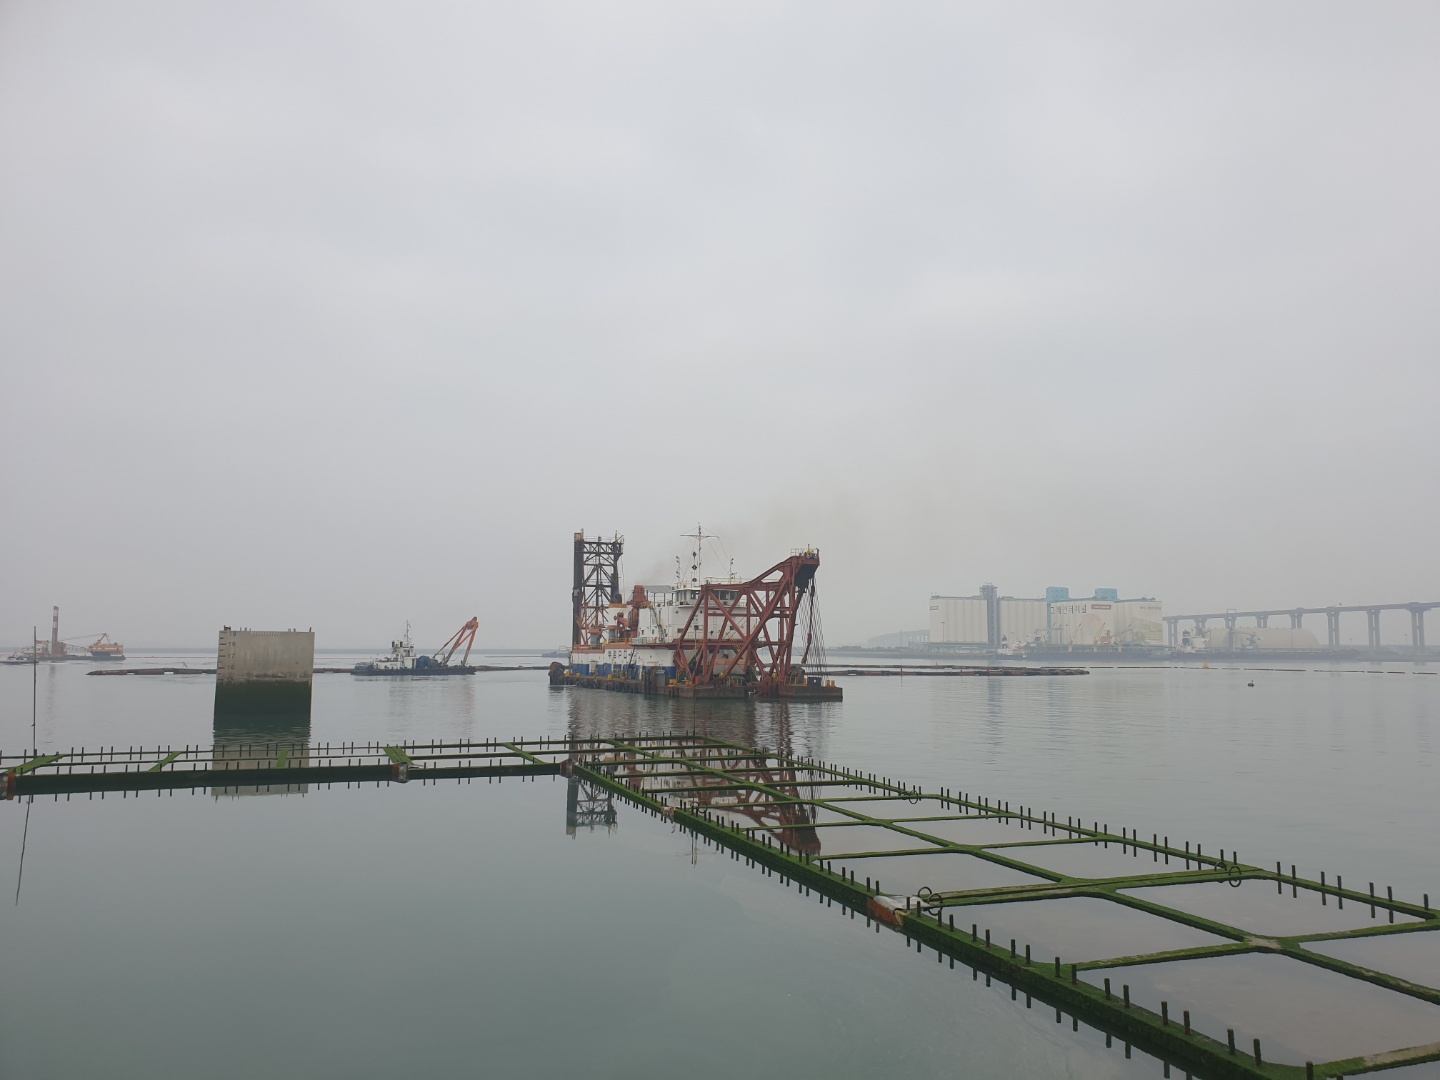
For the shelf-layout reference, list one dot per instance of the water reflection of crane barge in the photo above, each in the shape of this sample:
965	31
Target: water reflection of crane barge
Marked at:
775	797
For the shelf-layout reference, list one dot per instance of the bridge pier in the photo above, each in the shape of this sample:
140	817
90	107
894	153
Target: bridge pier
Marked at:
1332	613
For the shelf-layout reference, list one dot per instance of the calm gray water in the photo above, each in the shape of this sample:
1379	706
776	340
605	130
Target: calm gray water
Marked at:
359	932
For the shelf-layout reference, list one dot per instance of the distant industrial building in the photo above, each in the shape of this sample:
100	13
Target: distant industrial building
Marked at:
986	619
1105	619
1247	638
1057	619
901	639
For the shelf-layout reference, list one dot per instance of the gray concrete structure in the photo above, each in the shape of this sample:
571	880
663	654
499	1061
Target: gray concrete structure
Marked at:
1332	615
264	671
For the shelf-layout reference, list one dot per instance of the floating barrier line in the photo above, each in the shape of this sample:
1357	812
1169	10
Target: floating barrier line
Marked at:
1060	986
693	780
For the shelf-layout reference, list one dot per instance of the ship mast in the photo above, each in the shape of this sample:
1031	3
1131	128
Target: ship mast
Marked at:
697	556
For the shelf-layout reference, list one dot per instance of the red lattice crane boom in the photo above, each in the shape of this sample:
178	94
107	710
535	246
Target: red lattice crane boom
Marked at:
466	636
745	631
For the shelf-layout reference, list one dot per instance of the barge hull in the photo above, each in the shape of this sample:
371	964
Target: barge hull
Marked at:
667	688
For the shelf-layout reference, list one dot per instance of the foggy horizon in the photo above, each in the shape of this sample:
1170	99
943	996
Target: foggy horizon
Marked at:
342	316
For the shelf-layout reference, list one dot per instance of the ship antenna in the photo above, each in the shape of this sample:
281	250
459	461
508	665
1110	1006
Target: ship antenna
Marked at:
697	556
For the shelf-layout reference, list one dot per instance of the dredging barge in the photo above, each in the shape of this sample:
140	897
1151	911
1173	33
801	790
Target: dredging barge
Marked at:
699	638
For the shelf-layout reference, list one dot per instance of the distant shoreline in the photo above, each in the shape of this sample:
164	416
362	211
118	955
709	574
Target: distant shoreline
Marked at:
1156	656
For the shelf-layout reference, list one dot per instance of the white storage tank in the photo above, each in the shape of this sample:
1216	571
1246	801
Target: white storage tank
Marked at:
958	620
1106	621
1022	620
1139	622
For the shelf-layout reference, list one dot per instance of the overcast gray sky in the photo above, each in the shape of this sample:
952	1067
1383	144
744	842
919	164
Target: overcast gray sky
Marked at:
339	314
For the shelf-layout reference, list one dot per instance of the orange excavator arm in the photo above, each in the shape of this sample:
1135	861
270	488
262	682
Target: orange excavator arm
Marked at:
465	635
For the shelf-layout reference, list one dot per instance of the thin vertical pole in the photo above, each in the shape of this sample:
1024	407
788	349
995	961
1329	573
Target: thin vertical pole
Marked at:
24	839
34	696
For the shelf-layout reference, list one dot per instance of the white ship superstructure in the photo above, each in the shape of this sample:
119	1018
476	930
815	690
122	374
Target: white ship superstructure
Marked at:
642	632
699	636
400	660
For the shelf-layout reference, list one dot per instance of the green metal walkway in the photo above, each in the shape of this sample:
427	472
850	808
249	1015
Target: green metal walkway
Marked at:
1156	943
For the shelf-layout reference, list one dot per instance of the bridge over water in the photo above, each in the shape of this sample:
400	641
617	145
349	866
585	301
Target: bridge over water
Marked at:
1213	964
1262	617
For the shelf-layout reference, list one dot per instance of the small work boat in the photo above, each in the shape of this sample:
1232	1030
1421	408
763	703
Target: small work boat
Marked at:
404	661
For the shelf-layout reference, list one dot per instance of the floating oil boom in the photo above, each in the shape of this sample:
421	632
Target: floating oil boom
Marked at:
713	638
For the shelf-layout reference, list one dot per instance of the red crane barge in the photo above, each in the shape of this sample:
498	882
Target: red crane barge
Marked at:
702	638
